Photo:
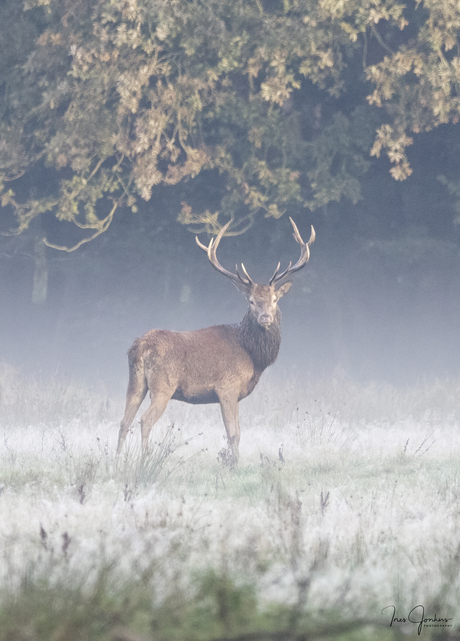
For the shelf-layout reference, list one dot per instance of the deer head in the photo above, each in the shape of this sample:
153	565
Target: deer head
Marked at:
263	299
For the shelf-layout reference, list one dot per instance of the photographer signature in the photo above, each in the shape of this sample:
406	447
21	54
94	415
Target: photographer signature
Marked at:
417	615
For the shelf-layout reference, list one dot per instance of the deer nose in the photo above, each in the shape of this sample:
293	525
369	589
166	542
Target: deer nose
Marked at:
265	319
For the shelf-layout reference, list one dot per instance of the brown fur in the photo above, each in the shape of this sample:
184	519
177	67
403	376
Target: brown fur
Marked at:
219	364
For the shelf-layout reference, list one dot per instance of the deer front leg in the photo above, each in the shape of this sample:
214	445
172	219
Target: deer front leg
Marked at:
230	414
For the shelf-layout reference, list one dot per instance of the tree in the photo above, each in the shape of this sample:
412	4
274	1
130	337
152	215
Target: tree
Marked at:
418	83
107	100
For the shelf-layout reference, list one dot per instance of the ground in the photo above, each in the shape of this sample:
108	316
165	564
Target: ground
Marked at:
341	519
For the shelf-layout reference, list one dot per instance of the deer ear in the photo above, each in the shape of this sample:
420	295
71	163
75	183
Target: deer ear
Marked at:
283	289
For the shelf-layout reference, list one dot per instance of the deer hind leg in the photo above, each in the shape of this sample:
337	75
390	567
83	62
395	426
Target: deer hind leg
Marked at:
151	416
230	414
137	389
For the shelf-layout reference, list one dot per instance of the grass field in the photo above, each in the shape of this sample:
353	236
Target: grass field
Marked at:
345	504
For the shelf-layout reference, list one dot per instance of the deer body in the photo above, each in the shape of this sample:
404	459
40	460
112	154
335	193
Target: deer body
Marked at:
197	377
220	364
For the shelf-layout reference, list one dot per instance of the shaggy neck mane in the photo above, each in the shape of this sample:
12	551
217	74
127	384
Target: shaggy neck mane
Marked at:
261	343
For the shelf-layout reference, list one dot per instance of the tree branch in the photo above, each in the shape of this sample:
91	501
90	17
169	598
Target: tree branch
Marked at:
104	225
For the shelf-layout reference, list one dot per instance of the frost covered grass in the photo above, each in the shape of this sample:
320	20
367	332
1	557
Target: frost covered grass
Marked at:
346	501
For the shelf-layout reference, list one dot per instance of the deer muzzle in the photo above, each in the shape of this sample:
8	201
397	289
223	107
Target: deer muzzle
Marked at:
265	320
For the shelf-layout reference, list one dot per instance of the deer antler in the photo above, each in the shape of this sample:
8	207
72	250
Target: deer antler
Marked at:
303	260
243	283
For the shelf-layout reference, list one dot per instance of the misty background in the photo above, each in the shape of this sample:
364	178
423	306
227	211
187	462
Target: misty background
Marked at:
379	299
173	117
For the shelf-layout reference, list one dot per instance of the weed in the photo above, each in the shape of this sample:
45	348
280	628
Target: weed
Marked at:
162	461
324	502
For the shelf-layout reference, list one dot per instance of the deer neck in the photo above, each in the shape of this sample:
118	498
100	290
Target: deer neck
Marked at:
261	343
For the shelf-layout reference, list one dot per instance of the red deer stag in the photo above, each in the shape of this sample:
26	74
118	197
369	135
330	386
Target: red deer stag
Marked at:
219	364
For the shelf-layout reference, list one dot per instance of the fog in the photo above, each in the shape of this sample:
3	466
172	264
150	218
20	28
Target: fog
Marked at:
324	494
370	305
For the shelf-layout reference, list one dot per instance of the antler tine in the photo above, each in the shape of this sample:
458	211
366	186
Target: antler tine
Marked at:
277	277
275	273
304	256
245	273
217	239
212	255
245	281
298	237
200	244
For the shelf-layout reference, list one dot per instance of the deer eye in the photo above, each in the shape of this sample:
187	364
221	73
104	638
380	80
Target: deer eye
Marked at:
251	302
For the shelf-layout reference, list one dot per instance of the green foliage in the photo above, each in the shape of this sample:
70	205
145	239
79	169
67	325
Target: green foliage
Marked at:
116	98
418	82
107	609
